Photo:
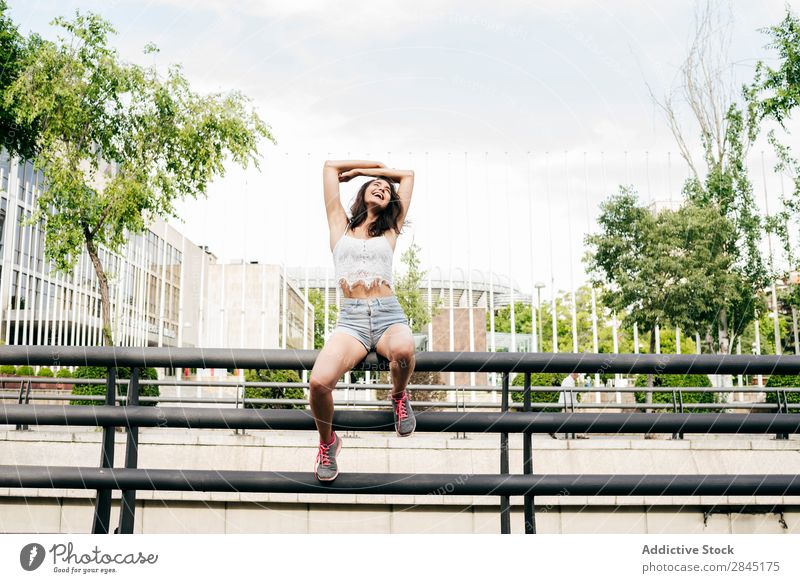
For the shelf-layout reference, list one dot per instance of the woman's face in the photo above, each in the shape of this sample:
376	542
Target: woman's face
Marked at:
378	194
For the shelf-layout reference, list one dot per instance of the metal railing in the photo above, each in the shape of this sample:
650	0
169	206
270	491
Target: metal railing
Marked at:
25	394
504	484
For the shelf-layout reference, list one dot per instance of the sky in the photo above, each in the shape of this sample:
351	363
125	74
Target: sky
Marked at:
512	114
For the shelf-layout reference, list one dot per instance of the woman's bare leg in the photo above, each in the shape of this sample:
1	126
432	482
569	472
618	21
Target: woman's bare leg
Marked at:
340	354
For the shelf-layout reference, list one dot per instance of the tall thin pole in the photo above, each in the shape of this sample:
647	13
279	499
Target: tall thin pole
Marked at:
795	332
552	271
616	350
284	286
491	272
595	340
534	313
739	378
756	323
306	304
452	326
775	322
658	339
430	288
539	308
508	255
470	310
571	267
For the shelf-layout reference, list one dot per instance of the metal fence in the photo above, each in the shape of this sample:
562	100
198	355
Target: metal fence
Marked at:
132	415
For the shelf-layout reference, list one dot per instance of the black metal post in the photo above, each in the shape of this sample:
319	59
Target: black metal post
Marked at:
571	408
505	501
785	409
127	508
527	459
236	429
27	401
674	410
21	401
102	506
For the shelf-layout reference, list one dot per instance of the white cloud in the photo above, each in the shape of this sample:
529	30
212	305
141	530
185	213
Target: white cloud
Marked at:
404	77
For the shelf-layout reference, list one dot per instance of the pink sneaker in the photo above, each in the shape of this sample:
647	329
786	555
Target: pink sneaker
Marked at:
404	420
326	467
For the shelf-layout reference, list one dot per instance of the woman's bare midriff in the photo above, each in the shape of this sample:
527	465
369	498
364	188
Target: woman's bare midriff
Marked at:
359	291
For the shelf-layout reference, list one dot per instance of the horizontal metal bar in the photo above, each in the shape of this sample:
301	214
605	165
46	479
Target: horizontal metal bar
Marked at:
424	361
421	484
432	421
443	404
386	387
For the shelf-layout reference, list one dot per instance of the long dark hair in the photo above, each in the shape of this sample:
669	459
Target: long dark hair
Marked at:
387	218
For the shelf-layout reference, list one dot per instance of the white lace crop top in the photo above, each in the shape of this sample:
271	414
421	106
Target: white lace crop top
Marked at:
365	261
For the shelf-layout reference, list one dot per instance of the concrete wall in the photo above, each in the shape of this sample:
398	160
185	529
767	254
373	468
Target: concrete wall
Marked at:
243	308
51	510
441	339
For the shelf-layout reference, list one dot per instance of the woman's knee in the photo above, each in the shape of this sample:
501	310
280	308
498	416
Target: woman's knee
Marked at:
320	386
403	354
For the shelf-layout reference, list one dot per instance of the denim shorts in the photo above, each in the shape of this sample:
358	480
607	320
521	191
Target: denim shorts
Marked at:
368	319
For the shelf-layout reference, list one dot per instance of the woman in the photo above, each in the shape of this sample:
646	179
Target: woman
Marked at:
371	317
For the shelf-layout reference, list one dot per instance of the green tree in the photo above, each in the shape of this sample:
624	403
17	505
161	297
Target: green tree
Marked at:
25	370
542	379
161	141
523	318
273	376
786	381
583	298
123	372
317	299
17	138
722	182
765	329
772	96
677	381
660	268
408	289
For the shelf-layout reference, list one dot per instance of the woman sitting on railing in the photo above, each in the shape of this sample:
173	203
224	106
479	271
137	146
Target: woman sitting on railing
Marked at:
371	317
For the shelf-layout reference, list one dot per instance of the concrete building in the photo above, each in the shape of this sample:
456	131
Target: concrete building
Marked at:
164	289
253	305
41	306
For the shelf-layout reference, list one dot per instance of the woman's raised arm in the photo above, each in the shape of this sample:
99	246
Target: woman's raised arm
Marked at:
344	165
331	176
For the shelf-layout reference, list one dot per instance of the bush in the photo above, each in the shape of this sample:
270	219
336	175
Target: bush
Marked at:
416	378
123	372
273	376
44	372
543	379
64	373
25	371
676	381
8	369
782	380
